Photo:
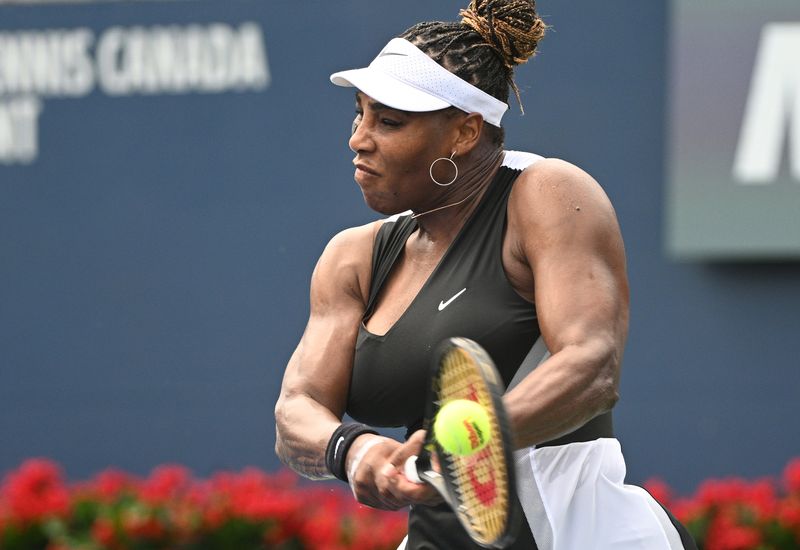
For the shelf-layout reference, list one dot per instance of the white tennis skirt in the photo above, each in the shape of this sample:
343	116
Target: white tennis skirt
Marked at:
575	498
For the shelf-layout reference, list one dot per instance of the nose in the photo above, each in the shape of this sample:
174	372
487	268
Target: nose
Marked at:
360	140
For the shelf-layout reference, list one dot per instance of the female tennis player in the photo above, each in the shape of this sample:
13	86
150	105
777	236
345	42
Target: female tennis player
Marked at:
502	247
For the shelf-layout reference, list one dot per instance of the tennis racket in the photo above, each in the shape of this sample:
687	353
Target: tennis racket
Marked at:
480	488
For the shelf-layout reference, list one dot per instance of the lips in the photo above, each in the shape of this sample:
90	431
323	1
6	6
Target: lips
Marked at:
366	169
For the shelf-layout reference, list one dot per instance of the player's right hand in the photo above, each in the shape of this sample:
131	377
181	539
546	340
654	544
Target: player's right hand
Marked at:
367	458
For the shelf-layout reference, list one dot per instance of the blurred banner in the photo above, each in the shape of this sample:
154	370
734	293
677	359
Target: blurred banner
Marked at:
158	161
119	61
734	165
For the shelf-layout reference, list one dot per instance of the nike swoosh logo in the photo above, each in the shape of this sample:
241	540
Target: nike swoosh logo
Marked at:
443	305
384	54
336	449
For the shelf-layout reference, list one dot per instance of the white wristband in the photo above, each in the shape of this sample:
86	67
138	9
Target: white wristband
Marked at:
362	452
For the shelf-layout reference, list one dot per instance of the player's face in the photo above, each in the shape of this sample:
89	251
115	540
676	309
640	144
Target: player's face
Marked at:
394	150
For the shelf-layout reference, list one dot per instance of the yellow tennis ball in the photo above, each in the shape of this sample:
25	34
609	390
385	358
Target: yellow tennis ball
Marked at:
462	427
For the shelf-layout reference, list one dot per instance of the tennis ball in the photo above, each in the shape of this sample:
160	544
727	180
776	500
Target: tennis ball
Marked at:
462	427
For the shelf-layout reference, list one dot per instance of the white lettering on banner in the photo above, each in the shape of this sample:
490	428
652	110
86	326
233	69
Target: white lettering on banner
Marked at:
772	115
19	140
46	63
215	58
210	58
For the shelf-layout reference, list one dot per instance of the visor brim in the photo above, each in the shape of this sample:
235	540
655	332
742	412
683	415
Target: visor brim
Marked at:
388	90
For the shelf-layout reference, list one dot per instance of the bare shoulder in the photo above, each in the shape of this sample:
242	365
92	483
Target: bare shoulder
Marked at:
553	193
344	268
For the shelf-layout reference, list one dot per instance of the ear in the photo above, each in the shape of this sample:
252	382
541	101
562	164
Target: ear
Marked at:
469	133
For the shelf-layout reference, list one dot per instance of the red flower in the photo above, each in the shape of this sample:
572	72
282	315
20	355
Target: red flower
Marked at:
103	533
722	492
36	491
762	499
789	513
687	510
110	483
253	495
659	490
138	525
185	523
165	482
322	531
366	537
725	533
171	510
791	476
213	517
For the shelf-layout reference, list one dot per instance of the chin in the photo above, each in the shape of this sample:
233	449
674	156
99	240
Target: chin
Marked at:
382	207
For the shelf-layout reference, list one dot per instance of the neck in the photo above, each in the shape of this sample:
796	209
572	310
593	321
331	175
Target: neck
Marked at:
432	210
454	205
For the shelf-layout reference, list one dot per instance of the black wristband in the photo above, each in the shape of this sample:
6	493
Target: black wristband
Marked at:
339	444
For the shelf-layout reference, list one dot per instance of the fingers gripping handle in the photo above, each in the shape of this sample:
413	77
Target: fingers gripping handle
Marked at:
431	477
410	469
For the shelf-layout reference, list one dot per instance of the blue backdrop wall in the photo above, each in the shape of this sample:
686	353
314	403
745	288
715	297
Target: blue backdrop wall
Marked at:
161	210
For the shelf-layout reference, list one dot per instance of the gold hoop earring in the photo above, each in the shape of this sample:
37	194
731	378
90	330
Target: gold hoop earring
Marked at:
451	161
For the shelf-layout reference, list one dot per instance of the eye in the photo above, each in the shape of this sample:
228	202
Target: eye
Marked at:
390	122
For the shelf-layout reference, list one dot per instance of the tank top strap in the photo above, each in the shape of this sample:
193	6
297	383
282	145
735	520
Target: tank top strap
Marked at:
477	247
389	243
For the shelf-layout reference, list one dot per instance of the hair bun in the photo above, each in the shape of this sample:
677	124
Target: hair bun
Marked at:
511	27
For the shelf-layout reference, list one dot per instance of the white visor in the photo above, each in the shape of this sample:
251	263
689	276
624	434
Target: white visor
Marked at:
403	77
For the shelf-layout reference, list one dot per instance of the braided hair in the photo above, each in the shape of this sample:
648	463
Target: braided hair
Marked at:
492	37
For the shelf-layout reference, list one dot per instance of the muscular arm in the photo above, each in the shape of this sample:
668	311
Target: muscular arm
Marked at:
314	391
564	230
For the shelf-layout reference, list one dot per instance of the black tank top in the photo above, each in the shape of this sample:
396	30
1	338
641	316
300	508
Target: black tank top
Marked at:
468	295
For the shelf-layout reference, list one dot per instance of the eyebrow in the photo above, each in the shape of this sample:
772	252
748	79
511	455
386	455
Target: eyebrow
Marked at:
375	106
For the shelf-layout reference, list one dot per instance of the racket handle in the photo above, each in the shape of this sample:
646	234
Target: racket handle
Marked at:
410	469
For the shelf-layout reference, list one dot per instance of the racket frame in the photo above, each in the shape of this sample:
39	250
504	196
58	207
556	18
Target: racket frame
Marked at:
431	451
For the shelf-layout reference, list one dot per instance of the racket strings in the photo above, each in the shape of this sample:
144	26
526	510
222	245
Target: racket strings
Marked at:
481	479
